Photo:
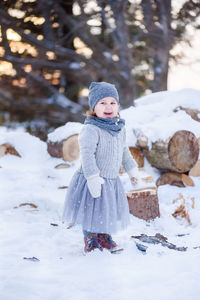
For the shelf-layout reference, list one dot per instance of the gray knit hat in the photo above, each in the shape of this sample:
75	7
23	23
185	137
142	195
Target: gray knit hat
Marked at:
100	90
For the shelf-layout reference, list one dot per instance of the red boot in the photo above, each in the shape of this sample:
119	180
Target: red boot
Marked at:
91	243
106	241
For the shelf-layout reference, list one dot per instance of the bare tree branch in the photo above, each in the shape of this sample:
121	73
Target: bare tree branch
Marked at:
45	44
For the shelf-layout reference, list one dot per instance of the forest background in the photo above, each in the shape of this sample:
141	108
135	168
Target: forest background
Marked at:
51	50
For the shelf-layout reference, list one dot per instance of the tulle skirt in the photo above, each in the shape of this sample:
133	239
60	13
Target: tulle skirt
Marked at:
106	214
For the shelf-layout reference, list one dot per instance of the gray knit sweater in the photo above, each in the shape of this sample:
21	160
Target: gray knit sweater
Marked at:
103	153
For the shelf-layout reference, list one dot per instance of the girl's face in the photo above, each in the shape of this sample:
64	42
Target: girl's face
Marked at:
107	108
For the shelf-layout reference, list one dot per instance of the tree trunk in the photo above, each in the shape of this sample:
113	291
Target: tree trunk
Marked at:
178	154
160	67
123	77
157	21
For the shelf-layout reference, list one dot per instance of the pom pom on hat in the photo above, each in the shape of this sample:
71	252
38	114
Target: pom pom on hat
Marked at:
100	90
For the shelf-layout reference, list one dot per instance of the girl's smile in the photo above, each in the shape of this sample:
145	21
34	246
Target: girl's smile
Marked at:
107	108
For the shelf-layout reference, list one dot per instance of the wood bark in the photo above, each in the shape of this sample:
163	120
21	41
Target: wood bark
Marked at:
156	239
194	113
8	149
198	140
67	149
177	154
183	150
138	156
143	203
63	166
185	204
176	179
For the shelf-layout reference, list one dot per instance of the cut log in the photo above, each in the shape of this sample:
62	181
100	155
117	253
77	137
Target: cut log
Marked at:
170	178
176	179
8	149
194	113
187	180
143	203
183	150
138	156
67	149
177	154
195	171
198	140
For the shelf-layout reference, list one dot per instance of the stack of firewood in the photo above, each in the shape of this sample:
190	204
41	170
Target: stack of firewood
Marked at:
177	158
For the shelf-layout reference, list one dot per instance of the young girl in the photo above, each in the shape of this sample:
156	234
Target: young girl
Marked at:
96	198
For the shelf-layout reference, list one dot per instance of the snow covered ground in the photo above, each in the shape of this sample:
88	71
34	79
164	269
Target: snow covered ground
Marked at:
62	271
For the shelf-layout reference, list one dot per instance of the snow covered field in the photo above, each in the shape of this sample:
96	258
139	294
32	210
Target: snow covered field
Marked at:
62	271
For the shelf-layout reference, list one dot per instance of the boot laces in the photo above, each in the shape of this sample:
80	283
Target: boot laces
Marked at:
92	242
109	239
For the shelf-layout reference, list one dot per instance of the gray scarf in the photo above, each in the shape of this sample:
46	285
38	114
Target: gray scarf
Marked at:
112	125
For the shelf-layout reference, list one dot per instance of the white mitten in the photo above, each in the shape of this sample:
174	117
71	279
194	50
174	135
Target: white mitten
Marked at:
134	176
94	183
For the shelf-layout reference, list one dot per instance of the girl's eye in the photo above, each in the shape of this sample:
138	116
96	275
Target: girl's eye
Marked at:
104	103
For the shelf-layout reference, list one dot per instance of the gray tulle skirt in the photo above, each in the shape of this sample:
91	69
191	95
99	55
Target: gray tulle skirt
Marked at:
106	214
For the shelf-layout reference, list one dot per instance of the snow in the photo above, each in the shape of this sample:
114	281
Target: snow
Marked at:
62	271
155	118
65	131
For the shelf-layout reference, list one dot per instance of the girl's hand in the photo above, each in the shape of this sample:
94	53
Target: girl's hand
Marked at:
134	181
134	176
94	183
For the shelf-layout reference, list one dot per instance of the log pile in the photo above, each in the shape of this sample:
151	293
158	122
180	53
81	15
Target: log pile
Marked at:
178	154
177	157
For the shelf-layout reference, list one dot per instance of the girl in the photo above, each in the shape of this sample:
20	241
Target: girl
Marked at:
96	198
